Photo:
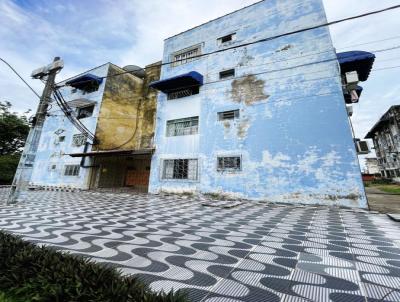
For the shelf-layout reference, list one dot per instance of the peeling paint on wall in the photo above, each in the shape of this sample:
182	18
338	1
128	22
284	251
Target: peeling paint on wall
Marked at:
52	156
292	133
248	90
242	127
286	47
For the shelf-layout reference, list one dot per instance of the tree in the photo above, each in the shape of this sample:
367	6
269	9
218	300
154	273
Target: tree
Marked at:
14	129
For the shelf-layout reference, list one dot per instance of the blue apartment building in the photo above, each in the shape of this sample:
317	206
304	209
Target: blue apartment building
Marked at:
234	114
266	120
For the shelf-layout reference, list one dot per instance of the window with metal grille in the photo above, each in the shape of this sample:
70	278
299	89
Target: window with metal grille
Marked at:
184	126
186	55
71	170
181	93
229	163
228	115
227	74
180	169
78	140
227	38
83	112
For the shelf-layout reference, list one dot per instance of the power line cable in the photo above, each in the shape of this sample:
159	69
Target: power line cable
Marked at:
268	63
290	67
275	37
370	42
316	53
384	68
389	59
33	90
69	114
269	38
280	77
292	32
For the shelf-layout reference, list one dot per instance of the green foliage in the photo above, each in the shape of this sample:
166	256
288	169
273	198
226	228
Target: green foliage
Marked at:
8	165
33	273
14	130
5	298
381	181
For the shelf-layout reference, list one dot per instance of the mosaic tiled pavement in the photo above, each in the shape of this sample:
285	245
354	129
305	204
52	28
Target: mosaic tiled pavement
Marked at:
250	252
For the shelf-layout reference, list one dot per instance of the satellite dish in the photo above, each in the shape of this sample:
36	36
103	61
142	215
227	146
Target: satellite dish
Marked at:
135	70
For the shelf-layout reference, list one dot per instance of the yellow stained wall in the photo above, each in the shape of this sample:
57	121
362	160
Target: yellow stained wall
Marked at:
127	113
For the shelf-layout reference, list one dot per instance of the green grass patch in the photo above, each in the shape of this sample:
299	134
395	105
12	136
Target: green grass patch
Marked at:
393	189
32	273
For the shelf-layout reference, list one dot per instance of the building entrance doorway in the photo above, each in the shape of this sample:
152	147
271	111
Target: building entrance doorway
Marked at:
122	171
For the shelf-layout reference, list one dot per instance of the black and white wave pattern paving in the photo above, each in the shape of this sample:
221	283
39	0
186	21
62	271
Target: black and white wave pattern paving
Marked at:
4	191
251	252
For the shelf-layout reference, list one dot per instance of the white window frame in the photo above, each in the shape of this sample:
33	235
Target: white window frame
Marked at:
168	169
186	55
183	126
71	170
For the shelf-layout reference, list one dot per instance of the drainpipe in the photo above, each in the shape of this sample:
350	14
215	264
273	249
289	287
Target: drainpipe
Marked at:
82	164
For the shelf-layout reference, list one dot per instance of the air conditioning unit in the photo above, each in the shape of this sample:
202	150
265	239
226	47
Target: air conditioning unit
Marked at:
352	77
362	146
351	80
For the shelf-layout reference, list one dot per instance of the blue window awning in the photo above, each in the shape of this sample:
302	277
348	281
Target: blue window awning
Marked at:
190	79
85	80
360	61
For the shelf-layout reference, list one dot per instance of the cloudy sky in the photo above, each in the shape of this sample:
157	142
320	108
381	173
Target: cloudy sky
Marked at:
89	33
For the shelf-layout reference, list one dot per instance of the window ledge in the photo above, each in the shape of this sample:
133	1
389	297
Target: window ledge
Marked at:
180	180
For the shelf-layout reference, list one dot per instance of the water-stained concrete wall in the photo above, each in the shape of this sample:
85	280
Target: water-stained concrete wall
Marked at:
124	112
52	155
126	118
293	133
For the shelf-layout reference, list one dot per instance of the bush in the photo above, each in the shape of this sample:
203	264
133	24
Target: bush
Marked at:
8	166
4	298
33	273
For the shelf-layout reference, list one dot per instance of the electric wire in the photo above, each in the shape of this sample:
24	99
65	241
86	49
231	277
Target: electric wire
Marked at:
385	68
370	42
67	112
79	125
268	79
271	38
70	115
26	83
271	62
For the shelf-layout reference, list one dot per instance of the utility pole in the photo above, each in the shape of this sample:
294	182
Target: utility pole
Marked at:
25	167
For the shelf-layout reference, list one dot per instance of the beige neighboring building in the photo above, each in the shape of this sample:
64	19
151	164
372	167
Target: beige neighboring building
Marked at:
371	165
